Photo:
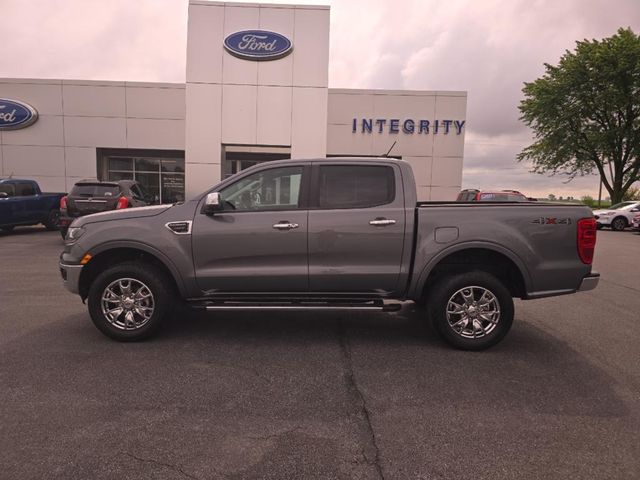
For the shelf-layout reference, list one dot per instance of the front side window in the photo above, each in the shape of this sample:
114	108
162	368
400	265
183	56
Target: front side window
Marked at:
355	186
273	189
8	188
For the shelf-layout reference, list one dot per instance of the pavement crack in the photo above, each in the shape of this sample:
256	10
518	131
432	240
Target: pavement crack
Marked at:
359	398
175	468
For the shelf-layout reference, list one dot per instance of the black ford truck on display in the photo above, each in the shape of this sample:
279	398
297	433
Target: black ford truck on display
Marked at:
339	234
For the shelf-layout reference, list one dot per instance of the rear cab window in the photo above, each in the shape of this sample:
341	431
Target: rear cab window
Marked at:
355	186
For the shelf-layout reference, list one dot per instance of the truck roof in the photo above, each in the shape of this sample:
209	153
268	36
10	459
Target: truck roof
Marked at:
6	180
331	160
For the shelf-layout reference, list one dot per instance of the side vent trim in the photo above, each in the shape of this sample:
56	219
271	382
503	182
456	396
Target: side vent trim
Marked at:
180	227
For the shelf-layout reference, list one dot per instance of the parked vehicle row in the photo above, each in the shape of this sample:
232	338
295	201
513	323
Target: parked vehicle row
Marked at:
474	195
617	217
339	234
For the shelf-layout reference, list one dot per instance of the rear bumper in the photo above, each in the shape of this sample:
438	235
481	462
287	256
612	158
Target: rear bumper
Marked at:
589	282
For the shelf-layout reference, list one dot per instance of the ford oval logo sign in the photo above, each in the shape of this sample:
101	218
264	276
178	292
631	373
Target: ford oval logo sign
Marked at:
15	114
258	45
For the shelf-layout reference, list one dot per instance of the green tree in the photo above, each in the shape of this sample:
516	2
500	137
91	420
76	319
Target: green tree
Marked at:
585	113
633	193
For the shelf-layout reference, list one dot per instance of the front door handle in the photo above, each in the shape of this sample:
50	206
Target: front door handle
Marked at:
382	222
285	226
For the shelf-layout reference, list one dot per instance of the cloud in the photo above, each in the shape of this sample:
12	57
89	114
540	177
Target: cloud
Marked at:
486	48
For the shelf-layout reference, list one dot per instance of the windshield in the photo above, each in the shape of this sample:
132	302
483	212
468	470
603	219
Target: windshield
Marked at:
620	206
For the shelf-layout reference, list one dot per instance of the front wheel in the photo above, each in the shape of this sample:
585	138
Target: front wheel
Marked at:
471	311
618	224
129	301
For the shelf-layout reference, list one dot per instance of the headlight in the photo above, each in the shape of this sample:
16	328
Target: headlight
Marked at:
74	233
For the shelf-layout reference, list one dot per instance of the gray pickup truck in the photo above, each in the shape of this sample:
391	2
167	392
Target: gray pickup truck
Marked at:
338	234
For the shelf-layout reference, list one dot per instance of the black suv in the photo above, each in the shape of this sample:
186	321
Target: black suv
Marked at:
94	196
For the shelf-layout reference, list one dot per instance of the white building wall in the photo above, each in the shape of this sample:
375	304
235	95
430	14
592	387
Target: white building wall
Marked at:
76	117
436	158
269	103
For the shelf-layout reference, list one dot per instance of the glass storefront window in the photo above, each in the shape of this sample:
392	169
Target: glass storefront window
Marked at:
162	177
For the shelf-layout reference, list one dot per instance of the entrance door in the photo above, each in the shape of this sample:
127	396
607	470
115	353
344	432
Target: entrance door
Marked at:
258	243
356	228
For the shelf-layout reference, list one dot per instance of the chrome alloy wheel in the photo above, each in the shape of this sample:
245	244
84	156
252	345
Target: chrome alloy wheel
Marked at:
473	312
127	303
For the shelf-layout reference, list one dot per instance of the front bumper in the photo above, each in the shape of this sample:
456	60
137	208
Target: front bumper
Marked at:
71	276
589	282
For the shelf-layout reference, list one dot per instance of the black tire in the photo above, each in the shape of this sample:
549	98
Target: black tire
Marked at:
7	229
63	232
52	220
450	287
618	224
598	226
151	277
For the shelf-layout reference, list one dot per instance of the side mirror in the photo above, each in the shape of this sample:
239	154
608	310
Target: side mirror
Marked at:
212	204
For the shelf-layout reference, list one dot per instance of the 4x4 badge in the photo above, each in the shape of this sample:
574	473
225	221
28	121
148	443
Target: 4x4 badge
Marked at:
552	221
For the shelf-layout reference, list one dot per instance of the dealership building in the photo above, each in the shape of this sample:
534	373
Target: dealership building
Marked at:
256	90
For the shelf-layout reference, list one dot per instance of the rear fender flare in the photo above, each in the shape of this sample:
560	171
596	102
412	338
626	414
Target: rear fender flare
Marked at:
419	285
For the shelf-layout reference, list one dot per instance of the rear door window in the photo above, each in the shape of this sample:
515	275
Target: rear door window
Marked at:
137	194
355	186
94	190
25	189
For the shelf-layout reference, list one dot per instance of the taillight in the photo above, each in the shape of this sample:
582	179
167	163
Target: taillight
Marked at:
122	203
63	203
586	239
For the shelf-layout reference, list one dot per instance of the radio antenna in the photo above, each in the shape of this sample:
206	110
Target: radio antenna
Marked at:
386	155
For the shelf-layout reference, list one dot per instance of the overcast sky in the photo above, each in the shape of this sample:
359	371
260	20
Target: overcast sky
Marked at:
487	48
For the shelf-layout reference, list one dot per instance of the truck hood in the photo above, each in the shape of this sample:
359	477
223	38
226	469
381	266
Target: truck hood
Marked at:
136	212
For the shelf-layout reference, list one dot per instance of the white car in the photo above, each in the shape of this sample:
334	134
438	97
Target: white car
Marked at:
618	216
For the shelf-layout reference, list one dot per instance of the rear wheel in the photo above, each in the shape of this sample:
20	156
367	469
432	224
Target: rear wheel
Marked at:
618	224
51	223
129	301
471	311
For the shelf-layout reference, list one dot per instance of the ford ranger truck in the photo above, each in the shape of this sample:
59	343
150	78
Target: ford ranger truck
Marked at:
338	234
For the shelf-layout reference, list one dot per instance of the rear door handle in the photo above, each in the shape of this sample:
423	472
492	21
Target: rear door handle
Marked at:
285	226
382	222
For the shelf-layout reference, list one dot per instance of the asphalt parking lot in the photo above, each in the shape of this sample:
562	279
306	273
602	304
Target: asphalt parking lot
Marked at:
286	395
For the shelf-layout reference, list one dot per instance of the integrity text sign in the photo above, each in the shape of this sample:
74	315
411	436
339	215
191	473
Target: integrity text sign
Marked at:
408	126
